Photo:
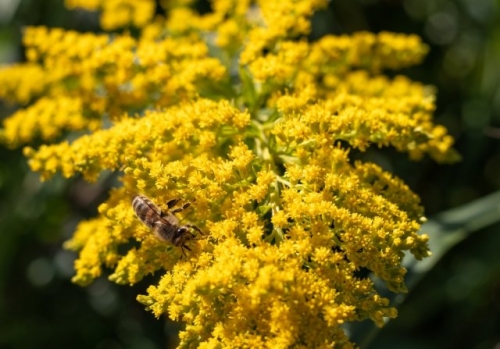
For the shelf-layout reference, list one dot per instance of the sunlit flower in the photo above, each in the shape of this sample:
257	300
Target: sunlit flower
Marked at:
237	114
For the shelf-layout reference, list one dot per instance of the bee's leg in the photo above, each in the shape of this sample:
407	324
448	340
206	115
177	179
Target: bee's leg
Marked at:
197	229
192	226
182	208
172	203
185	247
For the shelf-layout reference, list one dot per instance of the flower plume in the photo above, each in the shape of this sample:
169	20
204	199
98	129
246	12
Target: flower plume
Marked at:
237	113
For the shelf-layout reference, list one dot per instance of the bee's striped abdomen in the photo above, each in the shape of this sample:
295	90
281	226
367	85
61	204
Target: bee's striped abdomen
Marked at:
145	210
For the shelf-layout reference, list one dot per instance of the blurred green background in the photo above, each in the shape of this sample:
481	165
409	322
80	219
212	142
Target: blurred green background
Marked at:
456	305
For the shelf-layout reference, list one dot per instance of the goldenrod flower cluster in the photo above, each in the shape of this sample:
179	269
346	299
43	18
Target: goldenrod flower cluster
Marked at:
235	112
118	13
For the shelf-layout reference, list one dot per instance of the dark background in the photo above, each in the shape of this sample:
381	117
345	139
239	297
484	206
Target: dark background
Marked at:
457	304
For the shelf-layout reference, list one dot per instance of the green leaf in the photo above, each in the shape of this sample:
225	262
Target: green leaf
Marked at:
248	89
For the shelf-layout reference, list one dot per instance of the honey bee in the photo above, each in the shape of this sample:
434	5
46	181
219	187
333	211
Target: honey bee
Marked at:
165	225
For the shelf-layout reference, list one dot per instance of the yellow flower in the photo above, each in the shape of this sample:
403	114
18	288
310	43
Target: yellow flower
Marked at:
47	117
21	83
118	13
251	128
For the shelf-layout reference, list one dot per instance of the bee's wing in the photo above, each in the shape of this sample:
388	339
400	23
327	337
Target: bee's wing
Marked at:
153	207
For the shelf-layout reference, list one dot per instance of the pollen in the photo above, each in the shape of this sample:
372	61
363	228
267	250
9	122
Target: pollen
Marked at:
236	113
